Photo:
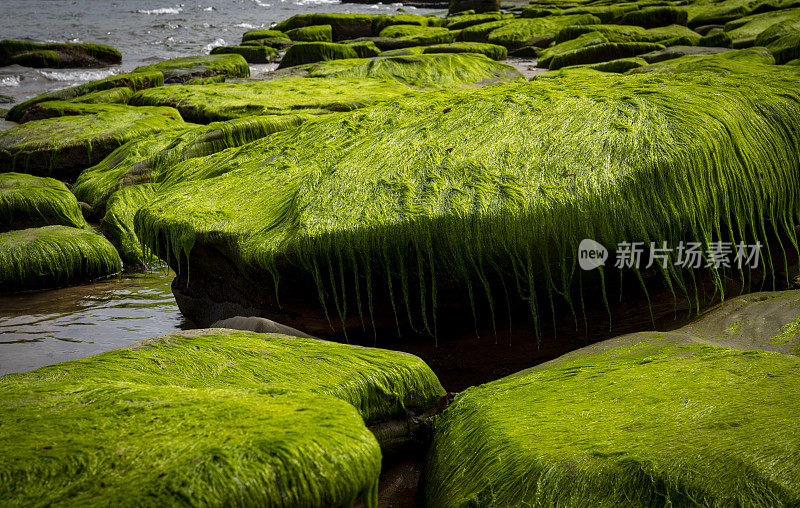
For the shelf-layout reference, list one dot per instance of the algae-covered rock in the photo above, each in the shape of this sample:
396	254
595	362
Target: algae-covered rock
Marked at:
583	41
432	70
421	35
32	54
65	145
343	26
513	33
740	61
180	70
117	95
53	256
284	416
776	31
602	53
786	48
310	52
492	51
365	49
467	180
117	223
292	96
466	20
679	51
744	31
316	33
650	17
618	66
699	416
476	6
252	54
30	201
254	35
134	81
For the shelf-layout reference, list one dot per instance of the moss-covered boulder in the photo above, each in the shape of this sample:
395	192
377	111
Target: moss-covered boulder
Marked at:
180	70
254	35
65	145
244	402
699	416
137	81
433	70
117	95
292	96
53	256
464	182
365	49
475	6
744	31
786	48
315	33
776	31
514	33
252	54
650	17
421	35
671	35
310	52
466	20
581	42
32	54
736	61
492	51
618	66
343	26
30	201
679	51
602	53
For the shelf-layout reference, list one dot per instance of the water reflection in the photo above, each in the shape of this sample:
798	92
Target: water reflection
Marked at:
46	327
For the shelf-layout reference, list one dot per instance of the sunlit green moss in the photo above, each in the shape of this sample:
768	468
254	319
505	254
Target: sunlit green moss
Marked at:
513	33
27	201
37	58
679	425
253	35
650	17
53	256
786	48
572	45
744	31
343	26
138	81
492	51
33	54
178	70
742	61
253	54
65	145
422	35
602	53
310	52
464	21
316	33
292	96
117	95
552	163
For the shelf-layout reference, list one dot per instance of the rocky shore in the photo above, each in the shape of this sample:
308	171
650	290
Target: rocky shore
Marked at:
402	184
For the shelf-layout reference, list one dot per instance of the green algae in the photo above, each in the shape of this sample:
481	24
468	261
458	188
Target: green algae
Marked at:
252	54
513	33
743	32
254	35
379	383
588	154
572	45
619	66
135	82
467	20
776	31
27	201
492	51
65	145
53	256
33	54
433	70
311	52
422	35
206	81
291	96
343	26
644	425
117	95
316	33
37	58
741	61
602	53
365	49
786	48
117	223
178	70
651	17
679	51
123	444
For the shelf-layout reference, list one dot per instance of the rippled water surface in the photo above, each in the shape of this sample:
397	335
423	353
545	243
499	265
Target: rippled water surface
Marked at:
145	31
45	327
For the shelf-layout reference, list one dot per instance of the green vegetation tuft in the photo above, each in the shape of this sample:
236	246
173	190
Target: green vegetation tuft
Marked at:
553	163
179	70
65	145
492	51
254	35
643	425
291	96
310	52
53	256
27	201
651	17
316	33
135	82
252	54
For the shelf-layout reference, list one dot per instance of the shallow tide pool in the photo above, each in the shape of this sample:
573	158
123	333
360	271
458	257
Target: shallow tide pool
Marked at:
45	327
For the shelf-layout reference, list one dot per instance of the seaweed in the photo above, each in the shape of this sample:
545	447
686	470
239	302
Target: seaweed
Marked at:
513	33
135	82
786	48
618	66
776	31
744	31
116	95
37	58
310	52
27	201
343	26
33	54
742	61
290	97
365	49
316	33
651	17
464	21
53	256
551	162
492	51
602	53
647	419
65	145
679	51
252	54
254	35
179	70
117	223
583	41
